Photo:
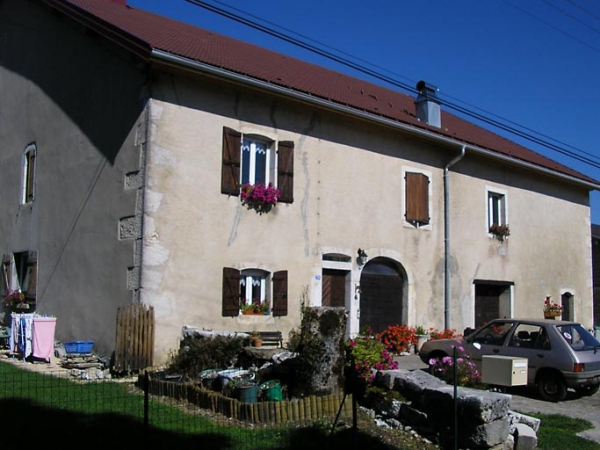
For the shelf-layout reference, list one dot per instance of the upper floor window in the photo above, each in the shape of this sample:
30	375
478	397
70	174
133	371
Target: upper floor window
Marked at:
497	217
254	159
416	190
28	174
257	162
496	209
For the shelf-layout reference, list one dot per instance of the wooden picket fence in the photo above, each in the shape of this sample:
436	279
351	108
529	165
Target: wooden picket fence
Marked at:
135	339
266	412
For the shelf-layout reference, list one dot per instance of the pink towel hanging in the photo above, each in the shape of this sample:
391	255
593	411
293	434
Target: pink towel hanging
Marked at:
43	337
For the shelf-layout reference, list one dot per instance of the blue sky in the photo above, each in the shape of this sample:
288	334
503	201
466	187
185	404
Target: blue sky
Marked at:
535	63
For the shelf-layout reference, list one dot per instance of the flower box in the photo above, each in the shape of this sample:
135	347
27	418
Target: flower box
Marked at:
79	346
551	314
259	197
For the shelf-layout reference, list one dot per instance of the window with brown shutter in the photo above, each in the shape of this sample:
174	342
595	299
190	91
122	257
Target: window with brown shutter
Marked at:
417	198
231	292
230	169
280	293
285	171
251	159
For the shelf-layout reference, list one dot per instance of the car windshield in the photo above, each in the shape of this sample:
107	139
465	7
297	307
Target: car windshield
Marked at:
492	334
578	337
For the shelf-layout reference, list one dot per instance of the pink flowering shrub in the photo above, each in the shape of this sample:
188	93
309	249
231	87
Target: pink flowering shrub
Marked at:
467	374
365	355
259	197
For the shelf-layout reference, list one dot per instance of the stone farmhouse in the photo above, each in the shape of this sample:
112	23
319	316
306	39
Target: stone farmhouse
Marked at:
140	158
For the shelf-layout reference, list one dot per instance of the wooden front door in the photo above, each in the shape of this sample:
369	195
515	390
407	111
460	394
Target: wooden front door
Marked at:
334	288
381	292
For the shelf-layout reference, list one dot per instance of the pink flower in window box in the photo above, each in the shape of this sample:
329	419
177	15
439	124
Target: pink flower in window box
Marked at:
259	197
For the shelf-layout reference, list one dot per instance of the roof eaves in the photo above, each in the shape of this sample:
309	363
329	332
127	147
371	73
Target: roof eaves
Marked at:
424	131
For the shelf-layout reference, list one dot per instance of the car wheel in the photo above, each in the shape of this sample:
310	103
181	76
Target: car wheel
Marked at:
551	387
587	390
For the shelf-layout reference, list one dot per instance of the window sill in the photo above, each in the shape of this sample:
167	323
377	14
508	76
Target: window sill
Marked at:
258	319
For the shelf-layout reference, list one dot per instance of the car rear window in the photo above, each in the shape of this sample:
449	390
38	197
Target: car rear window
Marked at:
578	337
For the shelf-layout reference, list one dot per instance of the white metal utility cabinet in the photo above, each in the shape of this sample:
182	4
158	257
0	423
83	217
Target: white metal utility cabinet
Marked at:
504	370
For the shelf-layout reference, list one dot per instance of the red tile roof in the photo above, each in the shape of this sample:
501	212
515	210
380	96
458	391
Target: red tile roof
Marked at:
142	32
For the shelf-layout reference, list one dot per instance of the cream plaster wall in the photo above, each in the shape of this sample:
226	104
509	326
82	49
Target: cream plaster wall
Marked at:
348	194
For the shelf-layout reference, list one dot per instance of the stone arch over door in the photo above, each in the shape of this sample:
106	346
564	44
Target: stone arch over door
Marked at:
382	295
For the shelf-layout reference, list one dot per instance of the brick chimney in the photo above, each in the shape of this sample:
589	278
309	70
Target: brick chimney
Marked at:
428	105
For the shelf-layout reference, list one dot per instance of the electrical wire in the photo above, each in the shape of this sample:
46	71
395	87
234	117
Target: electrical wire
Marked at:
575	153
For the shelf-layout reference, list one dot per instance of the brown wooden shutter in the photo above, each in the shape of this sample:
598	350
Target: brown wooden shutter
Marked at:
231	292
285	171
230	168
417	198
280	293
30	279
5	280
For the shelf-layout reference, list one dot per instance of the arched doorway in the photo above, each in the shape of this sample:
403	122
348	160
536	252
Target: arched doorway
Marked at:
382	285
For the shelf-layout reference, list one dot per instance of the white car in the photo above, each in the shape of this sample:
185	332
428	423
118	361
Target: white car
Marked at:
560	354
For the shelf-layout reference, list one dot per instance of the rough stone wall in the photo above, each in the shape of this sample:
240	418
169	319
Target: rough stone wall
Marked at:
484	419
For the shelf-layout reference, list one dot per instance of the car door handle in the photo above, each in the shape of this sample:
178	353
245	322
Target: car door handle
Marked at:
496	350
539	355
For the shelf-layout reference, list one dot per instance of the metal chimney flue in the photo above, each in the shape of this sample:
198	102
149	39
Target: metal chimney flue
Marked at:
428	104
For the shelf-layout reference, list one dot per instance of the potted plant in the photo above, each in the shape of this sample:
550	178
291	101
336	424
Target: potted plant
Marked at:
255	339
264	307
15	300
551	309
246	309
422	337
259	197
501	232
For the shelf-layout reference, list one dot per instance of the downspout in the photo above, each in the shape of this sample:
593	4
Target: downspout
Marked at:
447	236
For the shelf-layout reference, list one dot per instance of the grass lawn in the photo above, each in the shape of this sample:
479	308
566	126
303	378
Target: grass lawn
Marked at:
106	415
559	432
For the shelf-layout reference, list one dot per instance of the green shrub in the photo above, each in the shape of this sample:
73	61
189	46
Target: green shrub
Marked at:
200	353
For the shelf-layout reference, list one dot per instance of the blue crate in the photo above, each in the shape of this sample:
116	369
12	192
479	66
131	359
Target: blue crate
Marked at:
79	346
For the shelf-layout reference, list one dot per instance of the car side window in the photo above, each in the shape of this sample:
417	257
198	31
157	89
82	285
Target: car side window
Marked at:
493	334
525	336
542	340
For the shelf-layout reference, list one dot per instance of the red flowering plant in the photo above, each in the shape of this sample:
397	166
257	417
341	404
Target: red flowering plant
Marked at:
12	299
398	338
500	231
259	197
365	355
443	334
552	308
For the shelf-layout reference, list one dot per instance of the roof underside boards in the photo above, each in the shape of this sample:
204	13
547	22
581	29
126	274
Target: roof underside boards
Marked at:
142	32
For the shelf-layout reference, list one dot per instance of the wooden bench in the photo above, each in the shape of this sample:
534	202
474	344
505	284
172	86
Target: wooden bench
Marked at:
270	338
